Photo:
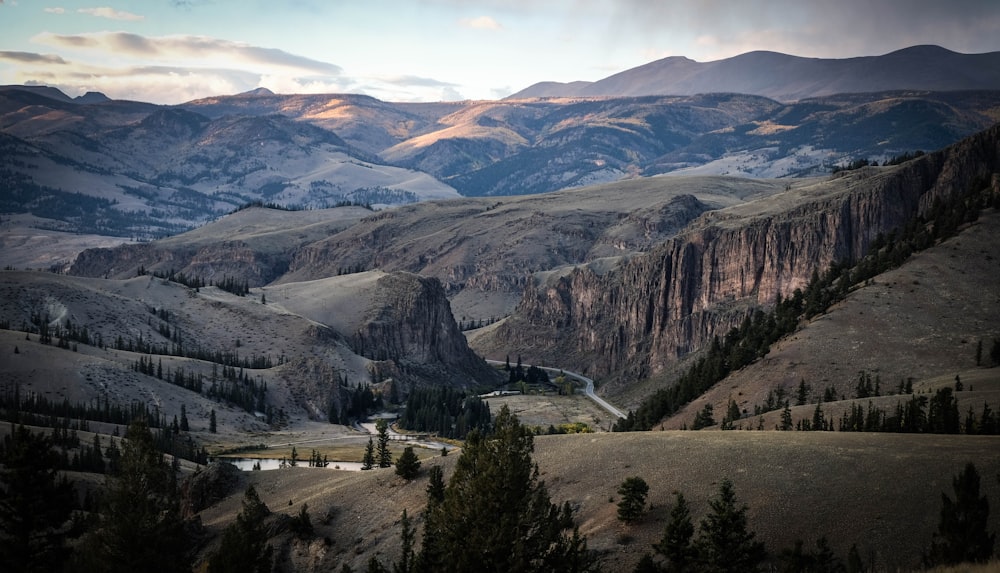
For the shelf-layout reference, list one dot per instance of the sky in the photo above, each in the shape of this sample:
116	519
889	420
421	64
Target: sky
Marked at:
172	51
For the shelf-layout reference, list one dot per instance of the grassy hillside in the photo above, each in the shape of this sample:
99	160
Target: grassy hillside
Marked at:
879	491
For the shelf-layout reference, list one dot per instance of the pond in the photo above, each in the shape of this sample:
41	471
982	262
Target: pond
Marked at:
246	464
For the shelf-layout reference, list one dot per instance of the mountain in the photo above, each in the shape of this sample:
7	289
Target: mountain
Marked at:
638	318
134	169
791	78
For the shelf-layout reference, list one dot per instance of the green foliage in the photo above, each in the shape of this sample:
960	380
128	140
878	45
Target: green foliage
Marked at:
724	542
383	454
35	504
445	411
368	462
633	492
435	486
703	419
496	515
140	527
675	545
244	547
820	560
301	525
962	534
408	465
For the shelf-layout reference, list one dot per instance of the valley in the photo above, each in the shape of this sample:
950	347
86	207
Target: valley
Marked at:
794	290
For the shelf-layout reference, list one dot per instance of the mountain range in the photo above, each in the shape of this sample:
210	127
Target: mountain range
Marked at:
790	78
130	169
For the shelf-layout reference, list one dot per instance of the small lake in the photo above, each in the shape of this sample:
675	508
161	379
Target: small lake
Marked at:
246	464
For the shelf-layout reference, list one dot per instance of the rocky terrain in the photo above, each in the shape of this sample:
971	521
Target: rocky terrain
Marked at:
636	319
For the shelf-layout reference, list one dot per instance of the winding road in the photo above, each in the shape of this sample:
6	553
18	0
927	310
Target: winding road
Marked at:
589	390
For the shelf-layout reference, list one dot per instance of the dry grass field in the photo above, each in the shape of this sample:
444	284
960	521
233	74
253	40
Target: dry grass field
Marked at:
880	491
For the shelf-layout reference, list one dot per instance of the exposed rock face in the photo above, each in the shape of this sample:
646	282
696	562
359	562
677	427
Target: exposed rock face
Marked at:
210	263
409	322
640	317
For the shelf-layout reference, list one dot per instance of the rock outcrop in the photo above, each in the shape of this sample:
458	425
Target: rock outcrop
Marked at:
638	318
409	323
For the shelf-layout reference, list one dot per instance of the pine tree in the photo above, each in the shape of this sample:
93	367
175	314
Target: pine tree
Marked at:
212	427
35	506
408	465
140	528
244	547
633	492
496	515
724	544
435	486
675	545
405	563
962	536
368	462
384	455
184	419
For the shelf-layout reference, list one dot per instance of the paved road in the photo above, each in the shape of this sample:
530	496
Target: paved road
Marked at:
589	388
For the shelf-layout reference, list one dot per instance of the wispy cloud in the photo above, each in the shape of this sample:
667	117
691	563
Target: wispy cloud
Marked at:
31	58
55	10
111	14
480	23
186	47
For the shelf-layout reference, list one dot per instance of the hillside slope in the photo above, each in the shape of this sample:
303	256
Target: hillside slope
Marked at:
879	491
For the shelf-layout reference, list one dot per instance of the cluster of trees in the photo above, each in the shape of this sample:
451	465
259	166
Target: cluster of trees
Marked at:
865	162
531	376
359	403
134	526
726	544
758	331
66	419
229	284
446	411
494	514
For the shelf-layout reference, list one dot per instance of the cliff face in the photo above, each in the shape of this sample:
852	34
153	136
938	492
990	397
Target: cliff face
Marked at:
409	325
210	263
640	317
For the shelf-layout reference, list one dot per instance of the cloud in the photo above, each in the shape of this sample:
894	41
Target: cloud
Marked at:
55	10
201	48
480	23
111	14
819	29
416	81
31	58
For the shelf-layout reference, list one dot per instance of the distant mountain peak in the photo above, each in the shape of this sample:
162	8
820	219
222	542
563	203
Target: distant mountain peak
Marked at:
786	77
258	92
91	97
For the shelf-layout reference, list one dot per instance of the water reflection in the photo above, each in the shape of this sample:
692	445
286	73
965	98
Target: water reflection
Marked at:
247	464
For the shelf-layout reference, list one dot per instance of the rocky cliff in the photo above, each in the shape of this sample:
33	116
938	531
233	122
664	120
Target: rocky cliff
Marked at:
638	318
408	329
211	263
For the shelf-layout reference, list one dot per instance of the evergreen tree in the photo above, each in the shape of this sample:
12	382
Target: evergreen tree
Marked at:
184	419
212	422
301	524
435	486
35	504
405	563
633	492
140	527
368	462
496	515
786	418
675	545
244	547
962	536
408	465
384	455
724	544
